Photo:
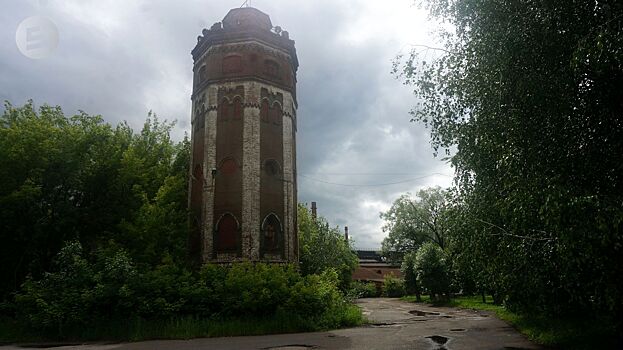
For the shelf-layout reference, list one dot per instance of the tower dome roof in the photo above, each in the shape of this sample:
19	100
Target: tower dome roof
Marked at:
247	17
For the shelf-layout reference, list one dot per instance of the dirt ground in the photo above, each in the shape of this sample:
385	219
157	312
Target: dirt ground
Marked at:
394	324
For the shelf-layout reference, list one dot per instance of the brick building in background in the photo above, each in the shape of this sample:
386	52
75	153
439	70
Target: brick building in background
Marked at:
243	167
373	268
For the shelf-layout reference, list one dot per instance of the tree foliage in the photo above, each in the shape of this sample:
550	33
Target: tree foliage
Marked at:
322	247
431	270
530	94
412	287
78	178
411	222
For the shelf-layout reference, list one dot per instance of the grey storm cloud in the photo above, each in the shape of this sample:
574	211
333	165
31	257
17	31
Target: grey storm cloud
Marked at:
121	59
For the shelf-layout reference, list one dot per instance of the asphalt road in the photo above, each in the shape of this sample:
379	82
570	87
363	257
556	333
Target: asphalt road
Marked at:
394	325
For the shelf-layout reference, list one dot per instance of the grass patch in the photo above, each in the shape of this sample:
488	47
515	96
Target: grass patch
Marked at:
563	333
413	299
187	327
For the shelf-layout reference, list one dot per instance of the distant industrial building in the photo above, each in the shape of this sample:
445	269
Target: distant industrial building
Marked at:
373	268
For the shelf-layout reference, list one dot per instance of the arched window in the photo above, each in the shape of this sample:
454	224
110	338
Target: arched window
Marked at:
272	234
224	110
237	108
271	168
275	114
264	111
200	117
227	233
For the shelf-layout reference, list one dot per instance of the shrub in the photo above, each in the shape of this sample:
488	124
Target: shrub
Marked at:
164	291
81	295
432	271
362	290
408	270
62	298
317	297
393	287
256	289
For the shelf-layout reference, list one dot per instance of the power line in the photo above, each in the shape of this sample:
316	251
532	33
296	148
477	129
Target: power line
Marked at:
370	174
371	185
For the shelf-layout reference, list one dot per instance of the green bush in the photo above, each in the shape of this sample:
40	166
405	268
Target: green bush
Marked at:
165	291
362	290
412	287
393	287
59	299
432	271
256	289
317	298
81	294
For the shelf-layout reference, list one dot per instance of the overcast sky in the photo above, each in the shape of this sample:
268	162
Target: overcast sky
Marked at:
123	58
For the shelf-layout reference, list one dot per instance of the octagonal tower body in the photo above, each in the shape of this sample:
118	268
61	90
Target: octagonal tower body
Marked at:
243	168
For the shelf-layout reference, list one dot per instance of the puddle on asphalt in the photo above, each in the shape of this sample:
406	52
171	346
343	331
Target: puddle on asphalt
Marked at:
423	313
292	347
457	330
439	341
384	325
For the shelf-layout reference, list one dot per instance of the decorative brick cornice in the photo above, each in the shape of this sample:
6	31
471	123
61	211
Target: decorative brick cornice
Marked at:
216	37
248	105
247	46
204	85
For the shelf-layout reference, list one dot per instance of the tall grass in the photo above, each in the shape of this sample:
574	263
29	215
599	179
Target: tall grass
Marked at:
185	327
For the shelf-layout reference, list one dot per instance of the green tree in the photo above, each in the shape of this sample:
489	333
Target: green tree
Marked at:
432	270
65	178
409	222
322	247
530	94
56	174
410	275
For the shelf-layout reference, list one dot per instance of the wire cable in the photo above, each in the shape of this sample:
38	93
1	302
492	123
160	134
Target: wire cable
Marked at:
371	185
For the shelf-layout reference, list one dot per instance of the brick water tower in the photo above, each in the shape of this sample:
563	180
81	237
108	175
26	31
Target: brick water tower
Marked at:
243	168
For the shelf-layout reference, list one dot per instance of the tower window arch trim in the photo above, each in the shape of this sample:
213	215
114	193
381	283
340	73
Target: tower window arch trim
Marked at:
227	234
271	237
